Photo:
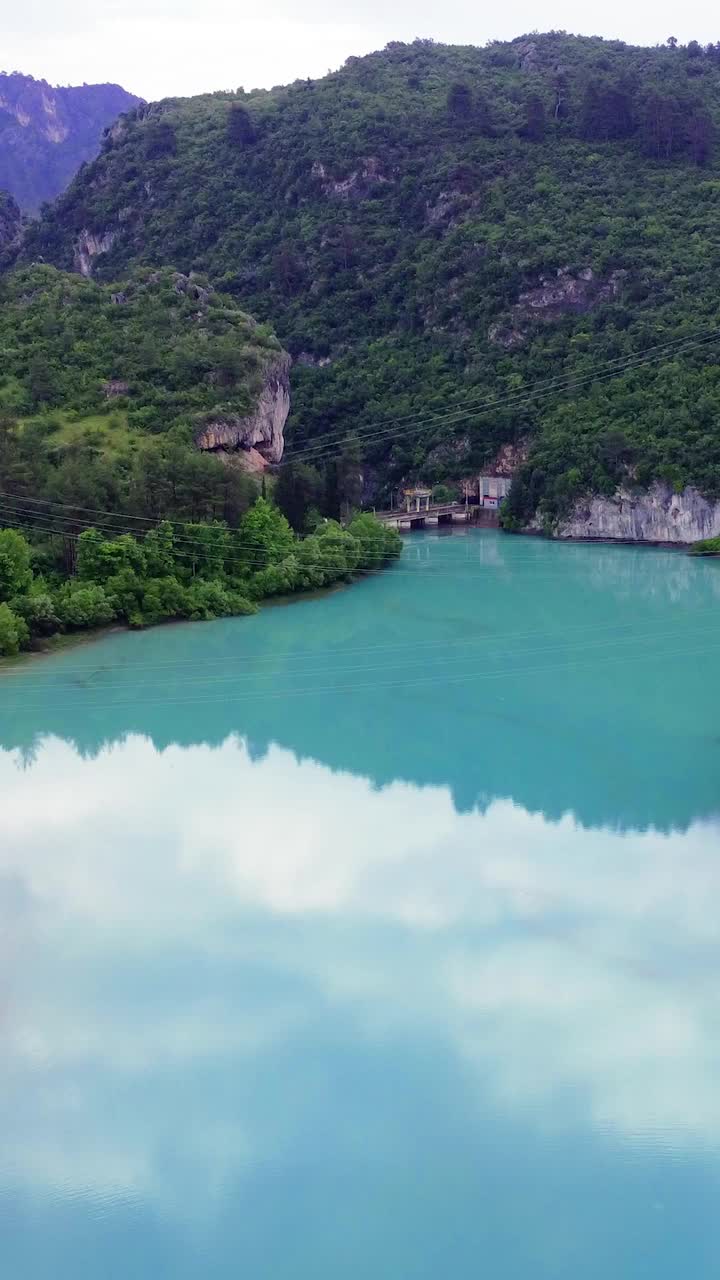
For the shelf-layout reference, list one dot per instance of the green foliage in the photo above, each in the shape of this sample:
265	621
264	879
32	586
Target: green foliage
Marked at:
15	572
387	217
13	631
191	571
265	537
132	372
706	547
158	347
80	606
298	493
378	542
240	128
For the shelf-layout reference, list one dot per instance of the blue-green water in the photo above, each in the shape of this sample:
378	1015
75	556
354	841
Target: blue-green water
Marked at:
374	937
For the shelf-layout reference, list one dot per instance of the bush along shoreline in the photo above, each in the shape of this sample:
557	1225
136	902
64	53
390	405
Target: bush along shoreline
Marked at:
196	572
706	547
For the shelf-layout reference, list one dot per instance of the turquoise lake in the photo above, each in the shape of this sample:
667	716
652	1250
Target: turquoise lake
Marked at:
375	937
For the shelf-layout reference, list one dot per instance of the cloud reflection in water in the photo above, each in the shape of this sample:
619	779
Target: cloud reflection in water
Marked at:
235	907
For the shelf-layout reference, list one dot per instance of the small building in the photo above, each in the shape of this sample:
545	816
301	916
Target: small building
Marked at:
417	500
492	490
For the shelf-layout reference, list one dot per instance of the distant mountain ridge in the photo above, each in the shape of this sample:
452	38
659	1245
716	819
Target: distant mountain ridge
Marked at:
46	133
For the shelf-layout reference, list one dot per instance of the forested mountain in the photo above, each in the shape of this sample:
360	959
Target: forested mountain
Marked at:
433	227
46	133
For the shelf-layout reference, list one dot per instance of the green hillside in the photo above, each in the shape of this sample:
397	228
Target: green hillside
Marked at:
103	388
109	512
403	222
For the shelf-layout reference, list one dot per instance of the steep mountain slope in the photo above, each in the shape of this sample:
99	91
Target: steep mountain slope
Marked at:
46	133
433	228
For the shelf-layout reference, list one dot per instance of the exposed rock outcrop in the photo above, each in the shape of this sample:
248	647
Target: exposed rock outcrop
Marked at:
358	185
115	387
527	55
556	296
306	358
659	515
89	245
257	439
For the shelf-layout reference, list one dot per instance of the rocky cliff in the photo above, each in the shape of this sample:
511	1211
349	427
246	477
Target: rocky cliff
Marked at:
257	440
659	515
46	133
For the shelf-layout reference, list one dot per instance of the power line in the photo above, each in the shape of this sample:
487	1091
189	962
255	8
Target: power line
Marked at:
452	660
28	520
365	568
26	504
679	346
552	383
573	632
375	686
625	364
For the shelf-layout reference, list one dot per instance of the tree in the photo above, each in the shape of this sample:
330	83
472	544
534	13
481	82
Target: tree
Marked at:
160	141
377	543
482	115
460	101
297	492
672	42
264	536
344	480
81	606
15	571
660	125
241	130
13	632
289	267
99	559
158	546
534	126
607	112
700	131
41	381
208	548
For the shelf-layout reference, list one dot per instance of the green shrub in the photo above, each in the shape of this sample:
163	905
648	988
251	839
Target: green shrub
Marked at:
80	606
14	633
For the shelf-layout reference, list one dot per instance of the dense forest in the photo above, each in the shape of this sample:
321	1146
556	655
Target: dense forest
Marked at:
434	229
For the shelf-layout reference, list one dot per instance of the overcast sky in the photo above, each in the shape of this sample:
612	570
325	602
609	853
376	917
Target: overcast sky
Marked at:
160	47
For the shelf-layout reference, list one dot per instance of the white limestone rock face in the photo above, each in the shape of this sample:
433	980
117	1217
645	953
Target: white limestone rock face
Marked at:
89	245
257	438
658	515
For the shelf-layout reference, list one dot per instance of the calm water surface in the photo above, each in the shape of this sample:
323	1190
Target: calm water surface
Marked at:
375	937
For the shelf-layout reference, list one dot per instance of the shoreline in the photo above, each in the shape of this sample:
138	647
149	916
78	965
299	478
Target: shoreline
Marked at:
53	644
50	645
